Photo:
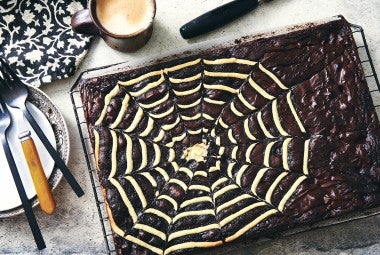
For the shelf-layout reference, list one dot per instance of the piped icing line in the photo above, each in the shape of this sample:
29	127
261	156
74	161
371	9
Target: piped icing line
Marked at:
128	154
273	186
182	66
187	92
193	213
113	154
240	174
249	152
290	192
107	100
200	173
176	139
251	225
232	202
148	87
224	190
230	167
123	108
163	173
234	152
231	137
187	171
140	78
179	183
257	179
171	155
239	213
213	101
175	166
215	168
263	127
273	77
157	155
207	117
159	214
218	182
150	230
144	154
267	151
221	150
144	244
138	190
171	126
245	102
196	200
187	79
248	130
240	76
285	153
222	61
159	137
192	231
187	106
191	245
194	132
220	87
150	178
162	114
259	89
217	141
96	147
222	123
170	200
125	199
236	111
276	119
136	120
155	103
305	167
148	129
199	187
294	112
195	117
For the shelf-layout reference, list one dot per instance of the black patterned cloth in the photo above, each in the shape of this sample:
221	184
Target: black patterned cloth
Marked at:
37	40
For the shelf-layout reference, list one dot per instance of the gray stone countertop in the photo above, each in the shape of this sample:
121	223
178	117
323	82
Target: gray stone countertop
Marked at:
75	227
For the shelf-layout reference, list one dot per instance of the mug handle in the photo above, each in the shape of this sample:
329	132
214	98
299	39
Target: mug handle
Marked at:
81	22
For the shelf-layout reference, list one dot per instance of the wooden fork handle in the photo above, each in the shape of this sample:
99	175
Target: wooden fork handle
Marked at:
41	184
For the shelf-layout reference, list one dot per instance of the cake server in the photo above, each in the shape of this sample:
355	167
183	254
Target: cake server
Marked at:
5	122
15	93
217	17
41	184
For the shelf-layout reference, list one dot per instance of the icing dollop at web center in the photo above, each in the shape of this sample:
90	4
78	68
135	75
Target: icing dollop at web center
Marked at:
197	152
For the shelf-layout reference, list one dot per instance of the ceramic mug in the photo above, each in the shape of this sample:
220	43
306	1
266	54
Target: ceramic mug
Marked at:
125	25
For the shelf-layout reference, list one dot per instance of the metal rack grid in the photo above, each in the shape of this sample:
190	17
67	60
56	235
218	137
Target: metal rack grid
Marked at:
374	88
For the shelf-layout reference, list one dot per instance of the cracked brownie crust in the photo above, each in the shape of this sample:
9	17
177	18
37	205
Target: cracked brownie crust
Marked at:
239	141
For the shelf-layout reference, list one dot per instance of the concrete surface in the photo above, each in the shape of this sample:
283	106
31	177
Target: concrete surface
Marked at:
75	227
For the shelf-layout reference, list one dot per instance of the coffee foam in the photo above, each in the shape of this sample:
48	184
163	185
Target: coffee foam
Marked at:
123	17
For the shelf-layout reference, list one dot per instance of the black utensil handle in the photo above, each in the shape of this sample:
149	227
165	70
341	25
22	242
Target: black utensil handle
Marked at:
54	154
24	199
217	17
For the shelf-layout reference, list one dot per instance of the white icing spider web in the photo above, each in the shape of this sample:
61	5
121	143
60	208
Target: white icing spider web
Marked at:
245	175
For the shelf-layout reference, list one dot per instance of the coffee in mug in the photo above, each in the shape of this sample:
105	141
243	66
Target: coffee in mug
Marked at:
125	25
123	17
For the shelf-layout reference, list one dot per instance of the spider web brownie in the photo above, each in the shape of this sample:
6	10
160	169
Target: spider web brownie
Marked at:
235	142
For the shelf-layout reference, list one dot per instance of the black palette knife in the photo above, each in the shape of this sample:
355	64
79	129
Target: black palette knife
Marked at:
217	17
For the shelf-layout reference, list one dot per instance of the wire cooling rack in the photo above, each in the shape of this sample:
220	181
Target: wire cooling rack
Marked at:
374	88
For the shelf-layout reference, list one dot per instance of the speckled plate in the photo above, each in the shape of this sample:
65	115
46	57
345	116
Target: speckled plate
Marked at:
51	121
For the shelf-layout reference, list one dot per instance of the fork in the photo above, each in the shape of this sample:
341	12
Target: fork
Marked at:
5	122
15	93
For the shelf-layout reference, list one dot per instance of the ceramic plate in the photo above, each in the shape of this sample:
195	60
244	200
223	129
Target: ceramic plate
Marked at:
52	123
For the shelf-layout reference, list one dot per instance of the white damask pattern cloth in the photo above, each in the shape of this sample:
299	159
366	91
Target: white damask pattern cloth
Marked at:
37	41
